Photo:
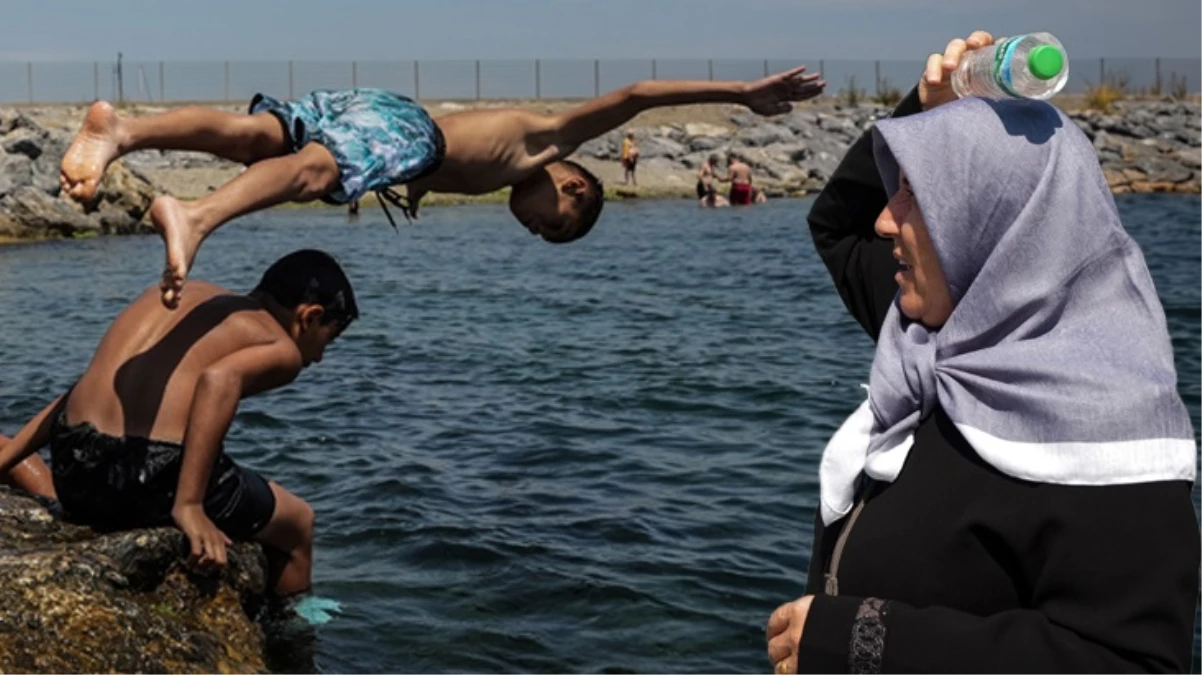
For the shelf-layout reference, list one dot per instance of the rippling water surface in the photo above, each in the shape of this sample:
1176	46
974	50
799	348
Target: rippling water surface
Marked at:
595	457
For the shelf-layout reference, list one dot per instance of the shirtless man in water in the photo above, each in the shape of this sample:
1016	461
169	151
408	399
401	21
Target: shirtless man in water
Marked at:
738	174
339	145
138	440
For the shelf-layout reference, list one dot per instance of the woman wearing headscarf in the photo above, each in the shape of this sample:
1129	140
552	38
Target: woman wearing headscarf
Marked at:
1014	494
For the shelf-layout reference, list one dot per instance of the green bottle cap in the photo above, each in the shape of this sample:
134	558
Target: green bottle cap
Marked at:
1045	62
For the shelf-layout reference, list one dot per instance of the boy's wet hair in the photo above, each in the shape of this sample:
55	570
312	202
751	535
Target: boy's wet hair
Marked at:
590	208
310	276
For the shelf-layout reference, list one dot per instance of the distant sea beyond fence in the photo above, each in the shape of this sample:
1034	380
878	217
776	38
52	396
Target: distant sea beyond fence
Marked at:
226	81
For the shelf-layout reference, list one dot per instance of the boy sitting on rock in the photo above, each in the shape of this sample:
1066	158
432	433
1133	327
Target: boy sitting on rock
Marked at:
339	145
137	441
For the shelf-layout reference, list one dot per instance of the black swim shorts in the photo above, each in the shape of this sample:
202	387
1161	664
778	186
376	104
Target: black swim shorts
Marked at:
114	483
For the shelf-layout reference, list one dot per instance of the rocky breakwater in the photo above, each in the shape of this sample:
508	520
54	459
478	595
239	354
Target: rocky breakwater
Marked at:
76	601
30	205
791	154
1143	146
1147	147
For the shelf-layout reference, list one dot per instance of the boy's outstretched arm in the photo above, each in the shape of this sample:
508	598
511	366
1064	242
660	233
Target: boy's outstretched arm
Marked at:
32	437
244	373
771	95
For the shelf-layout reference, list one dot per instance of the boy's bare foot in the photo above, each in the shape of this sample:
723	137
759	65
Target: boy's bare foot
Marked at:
182	235
95	146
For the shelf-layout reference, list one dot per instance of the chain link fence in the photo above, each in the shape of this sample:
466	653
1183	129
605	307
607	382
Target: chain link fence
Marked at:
173	82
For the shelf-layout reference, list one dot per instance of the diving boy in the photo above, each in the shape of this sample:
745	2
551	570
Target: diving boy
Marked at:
138	440
339	145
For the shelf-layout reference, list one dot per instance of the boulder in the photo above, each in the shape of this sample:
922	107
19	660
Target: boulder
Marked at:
77	601
30	204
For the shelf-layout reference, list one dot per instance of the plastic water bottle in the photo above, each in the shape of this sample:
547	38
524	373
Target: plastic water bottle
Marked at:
1026	66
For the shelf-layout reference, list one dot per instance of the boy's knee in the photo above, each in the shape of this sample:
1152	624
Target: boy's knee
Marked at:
319	174
308	520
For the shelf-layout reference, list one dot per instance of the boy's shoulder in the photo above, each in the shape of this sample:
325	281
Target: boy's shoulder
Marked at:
236	317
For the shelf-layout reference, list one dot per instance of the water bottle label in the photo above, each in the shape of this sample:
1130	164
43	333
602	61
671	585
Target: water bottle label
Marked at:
1003	57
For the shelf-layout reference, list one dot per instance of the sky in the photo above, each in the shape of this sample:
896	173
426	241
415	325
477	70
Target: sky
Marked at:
215	30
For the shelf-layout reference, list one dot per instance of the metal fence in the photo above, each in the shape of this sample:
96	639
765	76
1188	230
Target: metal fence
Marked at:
226	81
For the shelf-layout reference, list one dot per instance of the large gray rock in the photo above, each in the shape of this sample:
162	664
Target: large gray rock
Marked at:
1190	159
24	141
1162	169
661	147
763	135
800	121
42	215
599	148
30	203
695	129
16	171
707	143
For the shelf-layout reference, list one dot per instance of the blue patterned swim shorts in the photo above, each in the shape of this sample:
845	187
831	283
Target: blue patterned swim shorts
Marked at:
378	138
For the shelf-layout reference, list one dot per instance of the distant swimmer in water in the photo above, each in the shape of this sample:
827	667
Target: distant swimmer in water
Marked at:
705	176
713	200
738	174
339	145
138	441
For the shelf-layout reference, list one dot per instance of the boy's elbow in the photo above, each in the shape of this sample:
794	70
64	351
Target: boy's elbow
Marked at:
218	383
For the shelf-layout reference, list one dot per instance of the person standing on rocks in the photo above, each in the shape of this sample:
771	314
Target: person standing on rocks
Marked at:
340	145
630	160
138	440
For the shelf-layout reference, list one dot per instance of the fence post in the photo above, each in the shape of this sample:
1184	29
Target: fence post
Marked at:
29	79
821	65
417	82
538	80
878	77
653	70
291	93
226	91
765	67
1101	71
354	74
596	77
711	67
477	79
96	80
162	87
1158	81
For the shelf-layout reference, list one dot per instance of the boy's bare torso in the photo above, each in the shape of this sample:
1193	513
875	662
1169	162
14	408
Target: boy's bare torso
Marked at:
143	375
740	174
487	150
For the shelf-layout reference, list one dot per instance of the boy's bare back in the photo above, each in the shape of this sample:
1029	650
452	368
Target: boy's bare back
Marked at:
145	371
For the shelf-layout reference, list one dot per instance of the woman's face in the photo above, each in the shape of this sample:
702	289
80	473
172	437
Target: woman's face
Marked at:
925	295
